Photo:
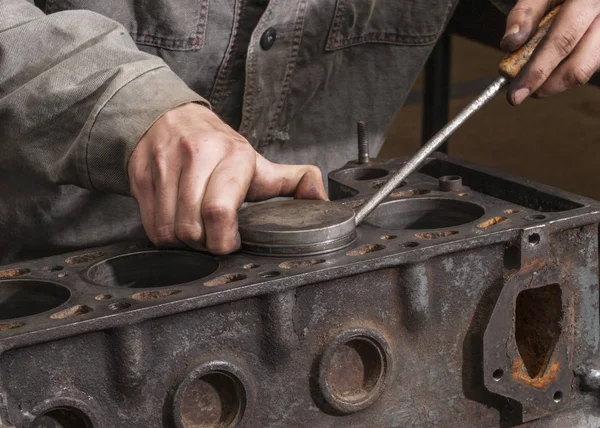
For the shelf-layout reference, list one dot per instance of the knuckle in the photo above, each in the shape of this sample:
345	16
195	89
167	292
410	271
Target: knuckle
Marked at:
217	211
538	74
188	232
164	235
160	161
314	170
565	42
579	75
521	12
189	147
141	180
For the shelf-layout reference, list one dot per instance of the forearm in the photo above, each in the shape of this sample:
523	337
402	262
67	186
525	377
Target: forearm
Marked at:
76	95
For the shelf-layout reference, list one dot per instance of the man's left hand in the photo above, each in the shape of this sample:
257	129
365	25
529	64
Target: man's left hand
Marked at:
567	57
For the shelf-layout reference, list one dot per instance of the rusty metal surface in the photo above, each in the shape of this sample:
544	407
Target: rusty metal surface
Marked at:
431	318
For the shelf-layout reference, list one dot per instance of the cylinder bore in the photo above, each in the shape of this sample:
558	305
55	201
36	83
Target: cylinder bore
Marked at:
152	269
22	298
214	399
353	371
424	214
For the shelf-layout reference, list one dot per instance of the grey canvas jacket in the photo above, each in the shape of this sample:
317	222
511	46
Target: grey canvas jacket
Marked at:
82	80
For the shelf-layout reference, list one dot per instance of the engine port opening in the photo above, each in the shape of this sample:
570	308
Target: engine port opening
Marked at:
424	213
152	269
216	399
66	417
538	317
22	298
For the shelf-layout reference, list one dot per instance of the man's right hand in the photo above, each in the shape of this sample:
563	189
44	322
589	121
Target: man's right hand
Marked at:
190	173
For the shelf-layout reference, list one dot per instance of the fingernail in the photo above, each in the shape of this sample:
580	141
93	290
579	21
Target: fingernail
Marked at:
520	95
514	29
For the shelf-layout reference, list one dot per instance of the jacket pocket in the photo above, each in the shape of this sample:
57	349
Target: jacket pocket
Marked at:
169	24
401	22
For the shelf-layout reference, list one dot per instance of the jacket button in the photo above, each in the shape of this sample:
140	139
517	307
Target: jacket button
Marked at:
268	38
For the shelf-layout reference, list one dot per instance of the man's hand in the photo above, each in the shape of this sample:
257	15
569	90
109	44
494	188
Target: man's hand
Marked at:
191	172
567	57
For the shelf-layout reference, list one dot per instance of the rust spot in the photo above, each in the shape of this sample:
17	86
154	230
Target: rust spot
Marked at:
538	318
519	373
354	204
103	297
83	258
71	312
225	279
10	326
11	273
492	222
511	211
435	235
533	265
462	194
361	251
251	266
151	295
409	193
301	264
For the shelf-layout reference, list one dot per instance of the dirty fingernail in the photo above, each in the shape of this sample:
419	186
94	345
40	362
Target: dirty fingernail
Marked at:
520	95
514	29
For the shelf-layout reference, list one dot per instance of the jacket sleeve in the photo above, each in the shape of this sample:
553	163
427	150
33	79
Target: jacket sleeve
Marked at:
76	95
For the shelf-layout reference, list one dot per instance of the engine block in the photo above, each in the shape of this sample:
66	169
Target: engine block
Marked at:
470	298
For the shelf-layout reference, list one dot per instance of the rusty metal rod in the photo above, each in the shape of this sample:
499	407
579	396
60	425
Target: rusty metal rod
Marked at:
510	66
438	139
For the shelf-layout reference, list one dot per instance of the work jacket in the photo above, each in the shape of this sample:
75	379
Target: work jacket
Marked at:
82	80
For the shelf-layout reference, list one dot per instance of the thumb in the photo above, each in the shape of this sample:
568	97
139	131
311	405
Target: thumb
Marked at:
523	20
272	180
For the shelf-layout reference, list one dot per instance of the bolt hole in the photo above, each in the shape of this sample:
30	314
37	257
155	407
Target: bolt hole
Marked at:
269	274
119	306
54	268
62	275
388	237
251	266
450	178
511	211
411	244
534	239
462	194
557	397
497	375
103	297
536	217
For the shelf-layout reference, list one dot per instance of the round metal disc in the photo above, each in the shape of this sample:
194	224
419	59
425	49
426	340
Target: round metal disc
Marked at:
296	227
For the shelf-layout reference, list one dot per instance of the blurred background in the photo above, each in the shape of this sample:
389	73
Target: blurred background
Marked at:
555	141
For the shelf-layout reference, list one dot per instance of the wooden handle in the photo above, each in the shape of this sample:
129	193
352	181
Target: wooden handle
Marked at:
514	62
